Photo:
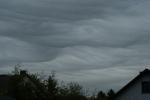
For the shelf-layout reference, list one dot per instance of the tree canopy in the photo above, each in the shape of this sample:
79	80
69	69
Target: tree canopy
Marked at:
27	86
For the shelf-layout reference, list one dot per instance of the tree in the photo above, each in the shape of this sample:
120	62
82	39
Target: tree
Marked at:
71	91
52	86
101	96
75	91
110	93
25	86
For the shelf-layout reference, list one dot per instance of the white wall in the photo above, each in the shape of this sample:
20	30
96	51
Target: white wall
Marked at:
135	91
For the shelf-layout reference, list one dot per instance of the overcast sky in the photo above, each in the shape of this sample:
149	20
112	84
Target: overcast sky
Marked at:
99	43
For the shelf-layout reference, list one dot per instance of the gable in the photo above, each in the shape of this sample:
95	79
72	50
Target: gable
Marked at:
133	90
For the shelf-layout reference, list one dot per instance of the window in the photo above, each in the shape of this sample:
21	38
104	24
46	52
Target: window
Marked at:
146	87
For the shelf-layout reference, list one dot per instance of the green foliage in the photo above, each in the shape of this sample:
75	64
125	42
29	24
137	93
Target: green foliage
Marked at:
101	96
70	91
111	93
52	85
74	89
17	69
105	96
27	86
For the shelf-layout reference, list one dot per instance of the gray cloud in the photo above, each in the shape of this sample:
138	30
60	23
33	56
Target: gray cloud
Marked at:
92	40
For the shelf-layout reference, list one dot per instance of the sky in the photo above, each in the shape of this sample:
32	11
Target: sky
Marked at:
100	44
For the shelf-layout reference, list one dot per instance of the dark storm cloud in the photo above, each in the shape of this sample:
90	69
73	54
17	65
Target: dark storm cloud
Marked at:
94	39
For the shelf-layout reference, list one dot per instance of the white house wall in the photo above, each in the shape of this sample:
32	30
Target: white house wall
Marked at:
135	91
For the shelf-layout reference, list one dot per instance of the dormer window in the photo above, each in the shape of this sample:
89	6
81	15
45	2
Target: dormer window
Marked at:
146	87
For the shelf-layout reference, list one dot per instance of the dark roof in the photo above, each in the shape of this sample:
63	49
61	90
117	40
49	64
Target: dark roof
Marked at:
6	98
4	81
132	82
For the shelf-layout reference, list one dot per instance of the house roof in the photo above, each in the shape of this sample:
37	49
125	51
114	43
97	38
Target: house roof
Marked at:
132	82
4	81
6	98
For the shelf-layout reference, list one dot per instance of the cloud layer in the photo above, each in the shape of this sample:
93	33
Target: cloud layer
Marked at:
98	41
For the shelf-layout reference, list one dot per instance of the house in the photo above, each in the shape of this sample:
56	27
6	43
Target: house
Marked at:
4	87
15	86
6	98
4	83
136	89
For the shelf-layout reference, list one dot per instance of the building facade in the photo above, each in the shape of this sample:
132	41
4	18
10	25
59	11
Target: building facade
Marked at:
137	89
